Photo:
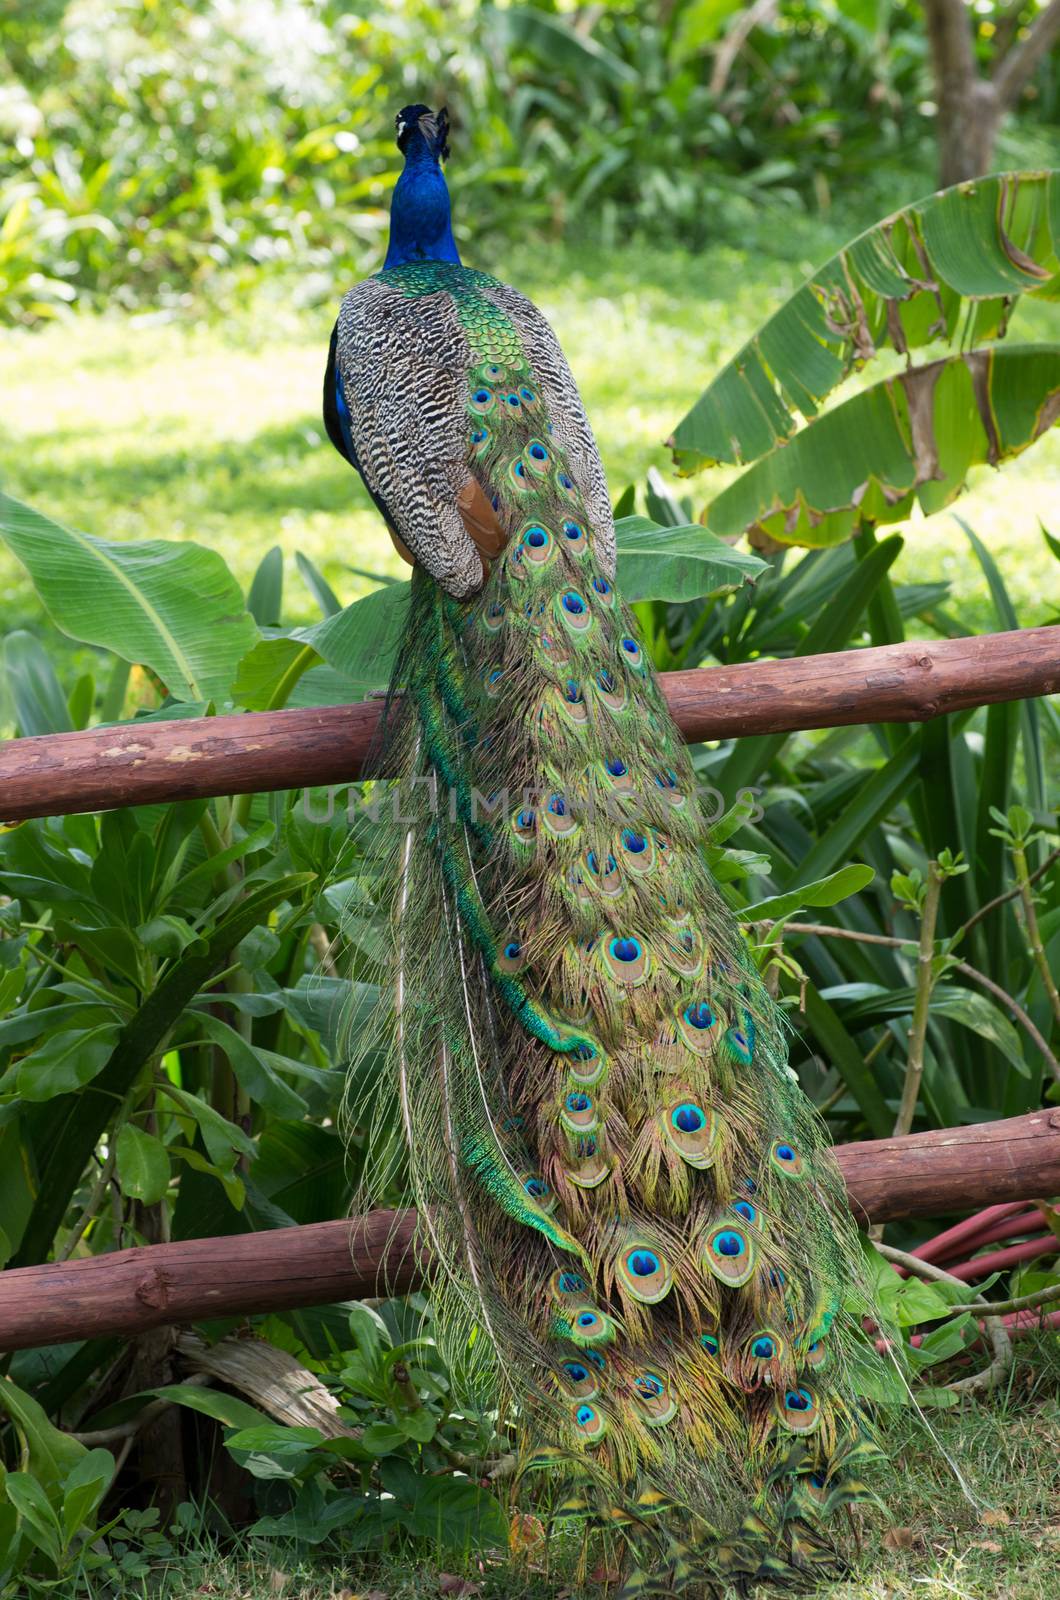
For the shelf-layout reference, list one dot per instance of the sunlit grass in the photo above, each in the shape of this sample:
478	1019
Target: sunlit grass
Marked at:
933	1544
210	430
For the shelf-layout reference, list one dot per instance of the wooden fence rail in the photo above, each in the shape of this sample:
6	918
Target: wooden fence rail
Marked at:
129	1291
139	763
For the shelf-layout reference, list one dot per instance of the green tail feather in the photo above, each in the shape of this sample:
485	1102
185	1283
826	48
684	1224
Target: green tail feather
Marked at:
622	1184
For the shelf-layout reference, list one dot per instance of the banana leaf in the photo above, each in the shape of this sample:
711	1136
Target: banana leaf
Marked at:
946	268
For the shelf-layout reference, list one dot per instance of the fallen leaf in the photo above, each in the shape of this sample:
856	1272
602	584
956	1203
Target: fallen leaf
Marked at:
448	1584
899	1539
605	1574
994	1517
278	1580
987	1544
525	1534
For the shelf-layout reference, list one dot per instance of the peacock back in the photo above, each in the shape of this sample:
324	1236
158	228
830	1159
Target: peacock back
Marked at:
636	1222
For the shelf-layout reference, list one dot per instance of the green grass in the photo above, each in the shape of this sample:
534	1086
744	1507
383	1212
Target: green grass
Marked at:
933	1544
209	429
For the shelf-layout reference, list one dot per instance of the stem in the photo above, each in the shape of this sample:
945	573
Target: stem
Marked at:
925	979
1027	1302
1034	937
822	930
95	1198
1009	894
992	1324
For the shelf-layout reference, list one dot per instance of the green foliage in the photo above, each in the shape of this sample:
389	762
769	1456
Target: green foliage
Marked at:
169	982
155	152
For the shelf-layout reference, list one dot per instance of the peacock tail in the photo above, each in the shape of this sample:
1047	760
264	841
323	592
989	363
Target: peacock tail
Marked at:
637	1227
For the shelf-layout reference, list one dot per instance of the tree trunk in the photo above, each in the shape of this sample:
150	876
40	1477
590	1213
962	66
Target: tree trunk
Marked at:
968	107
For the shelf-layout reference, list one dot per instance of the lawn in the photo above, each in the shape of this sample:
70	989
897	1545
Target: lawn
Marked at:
208	427
933	1544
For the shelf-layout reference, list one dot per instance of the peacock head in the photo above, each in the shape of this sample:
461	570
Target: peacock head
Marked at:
420	225
421	130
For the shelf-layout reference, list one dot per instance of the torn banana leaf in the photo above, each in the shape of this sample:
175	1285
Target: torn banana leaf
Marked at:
912	437
948	267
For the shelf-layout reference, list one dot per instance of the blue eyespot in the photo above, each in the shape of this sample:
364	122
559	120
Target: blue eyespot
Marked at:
573	692
745	1209
570	1282
579	1101
536	1188
575	1371
527	395
617	767
587	1319
642	1263
649	1385
818	1480
525	819
598	1361
763	1349
687	1118
625	949
666	778
601	586
558	806
539	452
536	538
513	399
605	681
565	481
584	1052
699	1015
785	1152
630	646
730	1244
573	530
585	1415
478	435
513	951
635	843
573	603
481	396
710	1343
797	1400
776	1278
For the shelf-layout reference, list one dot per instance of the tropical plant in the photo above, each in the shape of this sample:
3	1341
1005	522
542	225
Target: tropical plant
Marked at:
171	981
168	151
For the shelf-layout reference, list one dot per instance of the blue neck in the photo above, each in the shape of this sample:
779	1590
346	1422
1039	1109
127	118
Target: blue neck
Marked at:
420	226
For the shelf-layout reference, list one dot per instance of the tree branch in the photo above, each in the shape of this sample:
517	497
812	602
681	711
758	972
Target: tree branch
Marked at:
1014	70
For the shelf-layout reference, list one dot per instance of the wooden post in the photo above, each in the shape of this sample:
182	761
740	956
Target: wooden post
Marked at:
128	1291
142	763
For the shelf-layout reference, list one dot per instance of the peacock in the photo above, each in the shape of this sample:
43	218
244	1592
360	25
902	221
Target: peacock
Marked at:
637	1228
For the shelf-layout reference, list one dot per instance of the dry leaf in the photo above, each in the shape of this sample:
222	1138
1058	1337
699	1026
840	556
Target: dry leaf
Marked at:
278	1580
605	1574
994	1517
525	1534
987	1544
448	1584
899	1539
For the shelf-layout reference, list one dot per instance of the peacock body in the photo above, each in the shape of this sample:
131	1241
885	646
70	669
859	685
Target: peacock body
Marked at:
626	1193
